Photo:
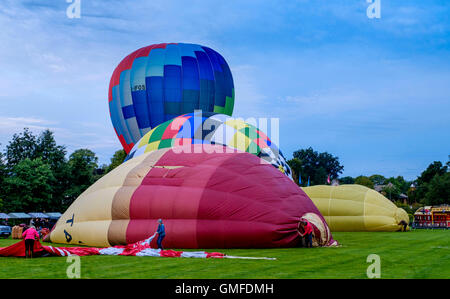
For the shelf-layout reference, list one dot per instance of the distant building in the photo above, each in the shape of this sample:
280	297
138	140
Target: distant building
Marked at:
378	188
381	189
404	197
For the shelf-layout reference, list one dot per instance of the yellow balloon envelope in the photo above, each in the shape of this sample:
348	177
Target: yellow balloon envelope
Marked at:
356	208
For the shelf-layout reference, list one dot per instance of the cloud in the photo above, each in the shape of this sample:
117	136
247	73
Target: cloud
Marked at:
74	135
11	125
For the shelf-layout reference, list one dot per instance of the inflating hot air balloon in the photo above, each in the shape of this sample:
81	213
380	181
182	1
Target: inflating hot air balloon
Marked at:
159	82
207	200
356	208
211	128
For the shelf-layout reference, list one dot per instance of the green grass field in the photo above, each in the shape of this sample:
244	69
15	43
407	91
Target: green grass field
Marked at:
415	254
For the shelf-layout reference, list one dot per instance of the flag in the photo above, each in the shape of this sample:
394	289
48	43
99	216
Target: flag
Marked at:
308	181
299	179
328	179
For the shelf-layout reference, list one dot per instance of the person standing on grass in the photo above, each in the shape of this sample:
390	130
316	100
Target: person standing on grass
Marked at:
404	225
307	232
29	235
161	234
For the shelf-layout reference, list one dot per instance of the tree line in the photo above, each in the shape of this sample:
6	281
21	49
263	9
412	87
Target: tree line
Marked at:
36	174
432	187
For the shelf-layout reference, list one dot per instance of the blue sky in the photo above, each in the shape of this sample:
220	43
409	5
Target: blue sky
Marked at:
374	92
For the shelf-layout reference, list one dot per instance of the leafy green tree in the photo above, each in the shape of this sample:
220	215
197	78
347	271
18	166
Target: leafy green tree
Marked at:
296	166
435	168
3	175
316	166
438	190
365	181
55	156
402	184
391	191
117	159
377	179
100	172
26	145
346	180
29	186
21	147
82	164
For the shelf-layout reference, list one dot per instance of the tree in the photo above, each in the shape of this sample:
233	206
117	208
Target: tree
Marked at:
29	186
117	159
49	151
435	168
296	166
412	195
316	166
55	156
346	180
377	179
391	191
438	190
22	146
3	175
365	181
82	164
67	178
27	145
401	185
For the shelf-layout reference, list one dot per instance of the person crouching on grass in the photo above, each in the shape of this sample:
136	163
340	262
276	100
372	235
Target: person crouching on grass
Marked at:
161	234
307	232
29	235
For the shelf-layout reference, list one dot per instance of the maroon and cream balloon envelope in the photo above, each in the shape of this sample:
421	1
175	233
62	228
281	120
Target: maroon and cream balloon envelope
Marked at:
207	199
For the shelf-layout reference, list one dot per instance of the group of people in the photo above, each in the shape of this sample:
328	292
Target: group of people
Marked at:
31	234
305	231
40	223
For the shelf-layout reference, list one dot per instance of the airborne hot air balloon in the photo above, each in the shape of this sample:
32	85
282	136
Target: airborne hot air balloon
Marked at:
212	128
207	200
159	82
352	208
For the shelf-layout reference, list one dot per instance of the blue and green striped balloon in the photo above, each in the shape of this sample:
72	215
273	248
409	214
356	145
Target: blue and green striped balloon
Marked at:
159	82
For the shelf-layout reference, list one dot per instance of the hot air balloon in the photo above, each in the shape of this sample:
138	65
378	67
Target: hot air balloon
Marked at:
207	200
159	82
212	128
356	208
